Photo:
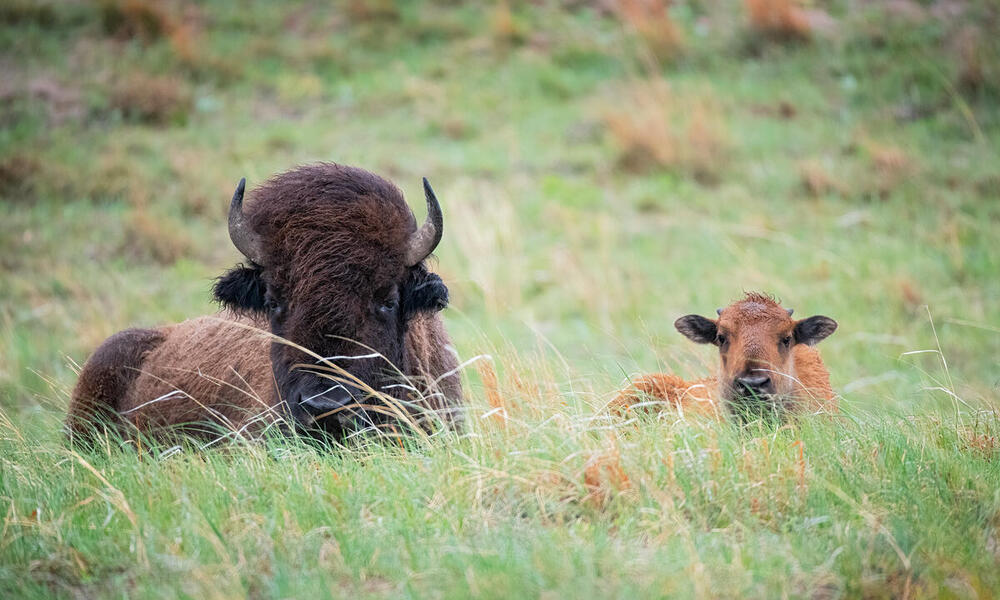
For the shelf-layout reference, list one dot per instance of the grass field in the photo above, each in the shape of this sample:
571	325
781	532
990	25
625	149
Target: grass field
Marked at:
603	168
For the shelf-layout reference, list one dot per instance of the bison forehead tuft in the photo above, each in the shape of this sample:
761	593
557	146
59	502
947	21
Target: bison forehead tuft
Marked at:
326	213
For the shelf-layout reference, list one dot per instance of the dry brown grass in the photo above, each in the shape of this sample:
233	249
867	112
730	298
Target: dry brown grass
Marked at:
25	176
152	99
980	440
28	11
778	19
890	166
651	22
149	237
492	389
17	175
149	21
775	484
361	11
604	477
977	55
135	19
818	181
503	25
909	293
654	125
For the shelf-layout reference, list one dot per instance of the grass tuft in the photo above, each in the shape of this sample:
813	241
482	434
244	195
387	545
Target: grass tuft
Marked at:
17	175
135	19
154	238
818	181
781	20
656	126
157	100
650	20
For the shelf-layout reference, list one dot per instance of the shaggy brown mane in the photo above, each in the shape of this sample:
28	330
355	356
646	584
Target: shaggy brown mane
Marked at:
326	222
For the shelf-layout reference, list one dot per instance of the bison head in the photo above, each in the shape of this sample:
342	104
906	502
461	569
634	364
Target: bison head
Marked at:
336	264
756	337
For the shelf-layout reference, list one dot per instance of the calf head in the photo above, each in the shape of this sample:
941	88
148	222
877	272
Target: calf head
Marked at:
756	338
336	264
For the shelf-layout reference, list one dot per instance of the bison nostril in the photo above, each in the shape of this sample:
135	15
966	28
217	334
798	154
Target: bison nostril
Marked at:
754	383
330	401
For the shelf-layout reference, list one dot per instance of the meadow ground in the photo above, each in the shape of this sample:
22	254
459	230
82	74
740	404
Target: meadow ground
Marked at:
604	168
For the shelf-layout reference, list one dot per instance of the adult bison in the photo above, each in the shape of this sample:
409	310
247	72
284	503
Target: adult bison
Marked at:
331	325
768	366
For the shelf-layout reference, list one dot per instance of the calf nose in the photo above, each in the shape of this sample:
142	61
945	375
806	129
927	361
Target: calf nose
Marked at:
754	383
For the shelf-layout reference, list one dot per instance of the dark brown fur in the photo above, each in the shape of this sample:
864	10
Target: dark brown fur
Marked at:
334	241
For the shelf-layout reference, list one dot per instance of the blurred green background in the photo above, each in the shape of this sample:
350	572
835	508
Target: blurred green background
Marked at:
604	167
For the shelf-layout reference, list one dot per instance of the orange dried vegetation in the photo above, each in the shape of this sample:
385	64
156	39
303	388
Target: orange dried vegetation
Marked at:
779	19
604	476
650	19
492	388
654	126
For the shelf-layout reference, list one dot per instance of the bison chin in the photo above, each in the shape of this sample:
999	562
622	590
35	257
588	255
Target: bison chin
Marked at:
332	405
332	411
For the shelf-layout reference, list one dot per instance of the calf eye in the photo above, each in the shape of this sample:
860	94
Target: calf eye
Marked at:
720	340
786	341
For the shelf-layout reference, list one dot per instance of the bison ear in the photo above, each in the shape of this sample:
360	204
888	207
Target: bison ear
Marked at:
814	330
425	292
697	328
241	289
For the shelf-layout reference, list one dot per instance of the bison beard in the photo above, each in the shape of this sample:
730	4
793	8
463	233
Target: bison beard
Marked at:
331	325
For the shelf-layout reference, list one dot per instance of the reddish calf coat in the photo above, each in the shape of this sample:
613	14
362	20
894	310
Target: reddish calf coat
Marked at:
766	359
812	389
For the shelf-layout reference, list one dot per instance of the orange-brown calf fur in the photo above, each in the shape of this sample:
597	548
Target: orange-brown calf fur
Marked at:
764	355
812	389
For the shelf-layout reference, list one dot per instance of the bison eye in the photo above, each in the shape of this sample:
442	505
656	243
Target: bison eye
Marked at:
786	341
720	340
272	306
388	306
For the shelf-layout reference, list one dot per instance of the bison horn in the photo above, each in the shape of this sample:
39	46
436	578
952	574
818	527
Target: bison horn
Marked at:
789	311
424	240
243	236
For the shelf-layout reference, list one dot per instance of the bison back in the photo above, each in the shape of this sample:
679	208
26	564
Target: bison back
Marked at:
205	377
105	381
211	376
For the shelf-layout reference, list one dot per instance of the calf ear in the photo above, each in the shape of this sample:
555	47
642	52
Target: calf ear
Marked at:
697	329
814	330
241	289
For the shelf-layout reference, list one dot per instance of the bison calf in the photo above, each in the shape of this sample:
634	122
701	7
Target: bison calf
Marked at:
768	366
331	325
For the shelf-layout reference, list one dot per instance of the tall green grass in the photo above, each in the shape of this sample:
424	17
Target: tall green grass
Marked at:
542	496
